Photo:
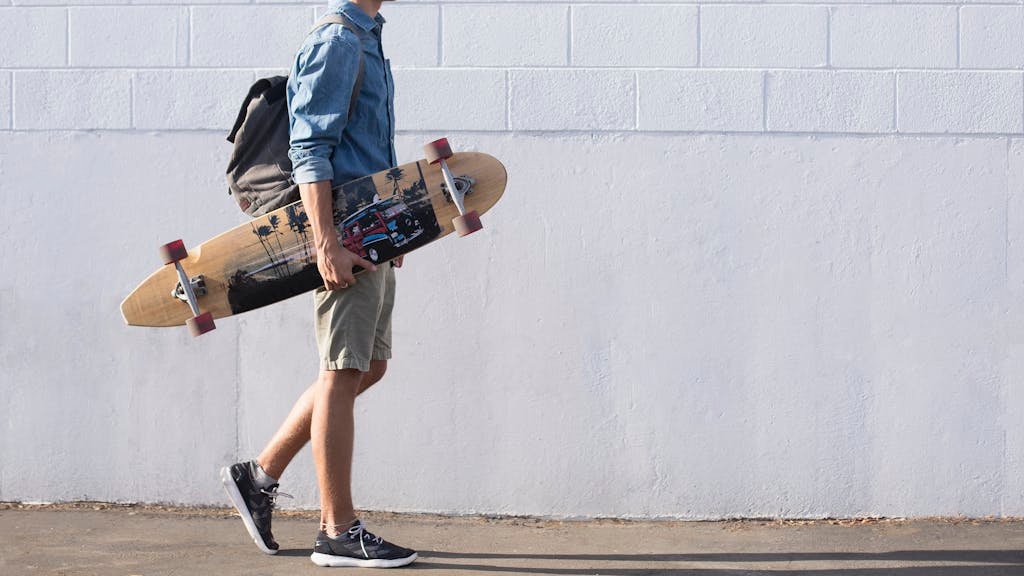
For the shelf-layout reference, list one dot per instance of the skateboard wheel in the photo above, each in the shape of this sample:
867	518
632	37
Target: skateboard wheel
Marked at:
200	324
437	150
467	223
173	252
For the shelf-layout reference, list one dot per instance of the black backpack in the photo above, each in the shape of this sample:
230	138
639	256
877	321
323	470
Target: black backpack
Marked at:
260	171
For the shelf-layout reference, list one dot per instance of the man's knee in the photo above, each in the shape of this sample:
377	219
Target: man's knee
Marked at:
345	381
377	370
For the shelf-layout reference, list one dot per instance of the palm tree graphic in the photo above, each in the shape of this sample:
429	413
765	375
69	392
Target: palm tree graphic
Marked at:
275	222
395	176
263	232
297	222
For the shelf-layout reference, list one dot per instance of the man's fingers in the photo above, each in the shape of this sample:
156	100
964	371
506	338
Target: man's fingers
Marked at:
347	279
366	264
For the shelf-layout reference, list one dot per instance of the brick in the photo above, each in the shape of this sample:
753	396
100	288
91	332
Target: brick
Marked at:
960	102
411	35
720	100
894	36
252	36
5	100
572	100
33	37
991	37
442	99
493	35
72	2
125	36
189	99
785	36
634	35
830	101
1015	221
72	100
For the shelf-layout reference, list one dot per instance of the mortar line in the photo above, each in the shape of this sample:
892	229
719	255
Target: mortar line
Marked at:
700	54
959	8
764	101
828	39
636	101
131	100
569	30
895	102
440	36
67	36
566	132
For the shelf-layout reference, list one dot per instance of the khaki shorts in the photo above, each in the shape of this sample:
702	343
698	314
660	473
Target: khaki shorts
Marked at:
353	325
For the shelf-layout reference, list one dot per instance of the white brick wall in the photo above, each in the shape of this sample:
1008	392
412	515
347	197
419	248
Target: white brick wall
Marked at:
794	220
676	53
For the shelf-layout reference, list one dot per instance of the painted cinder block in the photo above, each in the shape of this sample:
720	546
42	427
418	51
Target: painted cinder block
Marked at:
991	37
770	36
5	100
72	99
960	102
33	37
189	99
126	36
252	36
830	101
441	99
493	35
894	36
693	100
634	35
411	34
572	100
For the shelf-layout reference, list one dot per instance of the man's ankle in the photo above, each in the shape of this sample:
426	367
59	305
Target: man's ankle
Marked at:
334	530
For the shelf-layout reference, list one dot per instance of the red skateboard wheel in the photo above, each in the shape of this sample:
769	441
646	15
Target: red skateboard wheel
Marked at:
437	150
200	324
467	223
173	252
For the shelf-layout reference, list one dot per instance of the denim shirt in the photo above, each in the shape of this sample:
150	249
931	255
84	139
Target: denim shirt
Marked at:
325	143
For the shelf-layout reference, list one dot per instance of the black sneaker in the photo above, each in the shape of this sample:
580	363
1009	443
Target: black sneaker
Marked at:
358	548
254	504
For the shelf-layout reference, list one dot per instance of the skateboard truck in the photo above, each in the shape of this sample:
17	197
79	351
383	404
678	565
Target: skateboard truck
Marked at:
466	223
198	284
463	185
200	323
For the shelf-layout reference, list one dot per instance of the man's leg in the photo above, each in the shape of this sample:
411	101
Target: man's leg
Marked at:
294	432
332	430
252	486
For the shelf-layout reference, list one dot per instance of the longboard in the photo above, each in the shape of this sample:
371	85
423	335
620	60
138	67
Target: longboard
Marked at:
272	258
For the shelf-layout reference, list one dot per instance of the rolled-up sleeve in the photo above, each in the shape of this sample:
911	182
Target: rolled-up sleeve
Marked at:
319	91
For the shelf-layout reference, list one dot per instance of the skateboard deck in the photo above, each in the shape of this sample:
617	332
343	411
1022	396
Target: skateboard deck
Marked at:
272	258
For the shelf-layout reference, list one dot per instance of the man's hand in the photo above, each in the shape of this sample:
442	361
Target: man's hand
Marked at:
335	264
398	261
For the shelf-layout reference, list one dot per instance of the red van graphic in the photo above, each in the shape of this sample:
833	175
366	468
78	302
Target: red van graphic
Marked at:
377	231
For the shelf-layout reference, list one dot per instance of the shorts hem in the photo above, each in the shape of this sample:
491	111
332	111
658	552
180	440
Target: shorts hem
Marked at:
345	364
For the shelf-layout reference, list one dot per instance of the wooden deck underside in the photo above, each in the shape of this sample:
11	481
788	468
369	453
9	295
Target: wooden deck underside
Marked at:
278	244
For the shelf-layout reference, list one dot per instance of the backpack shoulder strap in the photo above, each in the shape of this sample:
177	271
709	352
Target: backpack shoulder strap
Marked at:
335	18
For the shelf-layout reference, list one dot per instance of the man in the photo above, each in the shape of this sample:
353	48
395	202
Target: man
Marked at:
353	316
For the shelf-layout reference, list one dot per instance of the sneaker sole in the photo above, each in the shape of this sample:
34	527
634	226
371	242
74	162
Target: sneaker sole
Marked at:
331	561
236	498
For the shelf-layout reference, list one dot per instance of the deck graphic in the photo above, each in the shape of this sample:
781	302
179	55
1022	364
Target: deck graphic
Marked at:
376	219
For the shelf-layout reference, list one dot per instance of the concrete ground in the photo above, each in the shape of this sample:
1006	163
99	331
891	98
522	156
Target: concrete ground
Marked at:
109	540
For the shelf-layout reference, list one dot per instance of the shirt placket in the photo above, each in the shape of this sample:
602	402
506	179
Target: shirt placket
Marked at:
387	94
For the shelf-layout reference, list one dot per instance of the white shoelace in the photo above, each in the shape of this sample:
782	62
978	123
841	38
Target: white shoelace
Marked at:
358	531
273	494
